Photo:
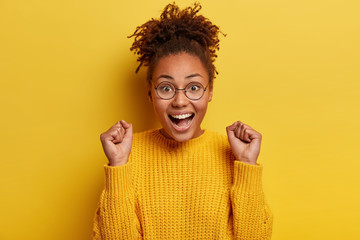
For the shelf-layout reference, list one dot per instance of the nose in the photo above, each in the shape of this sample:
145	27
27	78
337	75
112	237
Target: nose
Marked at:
180	100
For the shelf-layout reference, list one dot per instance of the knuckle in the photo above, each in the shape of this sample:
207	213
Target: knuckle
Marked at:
102	136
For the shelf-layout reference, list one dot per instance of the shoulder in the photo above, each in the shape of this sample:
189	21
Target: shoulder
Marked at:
217	141
216	137
144	133
218	145
144	136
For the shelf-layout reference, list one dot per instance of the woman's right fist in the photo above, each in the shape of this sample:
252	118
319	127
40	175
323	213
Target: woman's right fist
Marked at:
117	142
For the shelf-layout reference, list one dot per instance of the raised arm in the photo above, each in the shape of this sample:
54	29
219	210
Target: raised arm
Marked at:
252	218
115	216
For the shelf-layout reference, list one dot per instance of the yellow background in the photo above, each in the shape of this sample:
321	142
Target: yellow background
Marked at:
289	69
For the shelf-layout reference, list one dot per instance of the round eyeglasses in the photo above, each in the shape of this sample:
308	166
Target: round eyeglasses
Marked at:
167	90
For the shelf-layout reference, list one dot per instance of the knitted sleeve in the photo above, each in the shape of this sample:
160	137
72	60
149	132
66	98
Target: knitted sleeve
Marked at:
115	216
251	215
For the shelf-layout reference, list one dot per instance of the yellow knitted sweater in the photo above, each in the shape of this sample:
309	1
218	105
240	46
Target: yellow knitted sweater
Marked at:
190	190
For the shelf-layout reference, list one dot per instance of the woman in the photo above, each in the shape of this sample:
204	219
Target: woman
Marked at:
180	181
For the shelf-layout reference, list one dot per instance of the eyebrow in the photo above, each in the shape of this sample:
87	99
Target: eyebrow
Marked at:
187	77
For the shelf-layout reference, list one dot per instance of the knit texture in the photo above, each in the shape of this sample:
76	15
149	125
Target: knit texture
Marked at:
189	190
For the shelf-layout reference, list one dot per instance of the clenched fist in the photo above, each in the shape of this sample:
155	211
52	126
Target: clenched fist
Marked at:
117	142
244	141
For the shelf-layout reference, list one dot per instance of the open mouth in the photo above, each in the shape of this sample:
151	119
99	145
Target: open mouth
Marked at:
182	121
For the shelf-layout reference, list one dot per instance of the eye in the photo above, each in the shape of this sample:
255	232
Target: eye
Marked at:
194	87
165	88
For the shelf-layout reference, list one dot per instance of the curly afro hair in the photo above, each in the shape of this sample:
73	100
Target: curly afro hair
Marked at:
177	31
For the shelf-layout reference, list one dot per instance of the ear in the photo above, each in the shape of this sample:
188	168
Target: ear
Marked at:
149	92
210	93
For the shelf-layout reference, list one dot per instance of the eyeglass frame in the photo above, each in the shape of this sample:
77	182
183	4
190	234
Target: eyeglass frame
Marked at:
183	89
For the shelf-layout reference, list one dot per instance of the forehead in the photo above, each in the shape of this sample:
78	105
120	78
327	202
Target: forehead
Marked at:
180	66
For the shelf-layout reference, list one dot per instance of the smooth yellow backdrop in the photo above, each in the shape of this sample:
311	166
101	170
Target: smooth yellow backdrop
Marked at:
289	69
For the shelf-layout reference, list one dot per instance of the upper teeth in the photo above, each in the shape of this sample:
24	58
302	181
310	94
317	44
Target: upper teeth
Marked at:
181	116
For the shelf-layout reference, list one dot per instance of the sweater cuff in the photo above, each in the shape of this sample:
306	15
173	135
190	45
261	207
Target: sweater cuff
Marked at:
117	179
247	177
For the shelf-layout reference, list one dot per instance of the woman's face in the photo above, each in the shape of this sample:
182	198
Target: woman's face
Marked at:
179	116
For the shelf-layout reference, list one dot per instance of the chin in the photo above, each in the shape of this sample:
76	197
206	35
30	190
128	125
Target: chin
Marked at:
182	137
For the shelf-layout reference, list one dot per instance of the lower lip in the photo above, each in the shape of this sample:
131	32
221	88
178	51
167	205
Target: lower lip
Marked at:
182	129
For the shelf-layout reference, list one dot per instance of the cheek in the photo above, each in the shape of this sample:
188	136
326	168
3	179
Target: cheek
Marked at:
159	107
201	107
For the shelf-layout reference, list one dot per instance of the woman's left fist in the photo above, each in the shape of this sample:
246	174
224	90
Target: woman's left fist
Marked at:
244	141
